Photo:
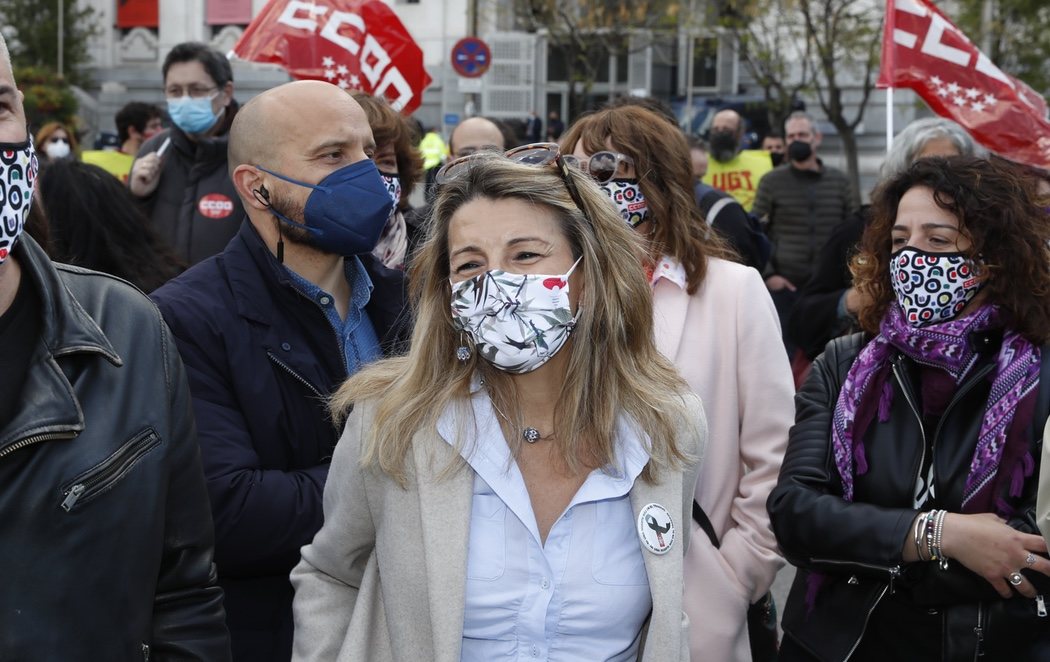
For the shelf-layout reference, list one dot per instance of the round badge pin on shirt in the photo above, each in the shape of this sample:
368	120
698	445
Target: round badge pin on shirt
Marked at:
656	529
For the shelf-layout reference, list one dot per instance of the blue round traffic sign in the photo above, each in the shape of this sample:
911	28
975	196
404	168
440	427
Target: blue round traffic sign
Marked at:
471	57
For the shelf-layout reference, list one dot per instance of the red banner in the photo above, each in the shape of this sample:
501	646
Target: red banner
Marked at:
924	51
137	14
229	12
355	44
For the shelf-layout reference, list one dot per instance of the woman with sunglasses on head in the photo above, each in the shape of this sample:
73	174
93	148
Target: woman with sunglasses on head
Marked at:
519	484
716	323
908	491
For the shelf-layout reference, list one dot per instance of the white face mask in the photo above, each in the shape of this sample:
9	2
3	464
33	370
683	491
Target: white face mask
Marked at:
517	321
18	168
58	149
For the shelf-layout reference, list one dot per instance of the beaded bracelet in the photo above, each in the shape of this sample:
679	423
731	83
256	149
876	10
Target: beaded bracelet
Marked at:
939	538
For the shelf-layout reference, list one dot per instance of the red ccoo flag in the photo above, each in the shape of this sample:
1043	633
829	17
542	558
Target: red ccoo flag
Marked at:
355	44
924	51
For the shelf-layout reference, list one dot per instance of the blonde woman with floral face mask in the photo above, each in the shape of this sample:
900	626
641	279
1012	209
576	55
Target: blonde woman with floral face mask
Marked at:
520	483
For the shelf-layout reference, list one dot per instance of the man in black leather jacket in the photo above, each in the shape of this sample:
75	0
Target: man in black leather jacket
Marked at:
105	532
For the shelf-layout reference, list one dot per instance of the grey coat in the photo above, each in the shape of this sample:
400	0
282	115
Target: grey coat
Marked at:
384	579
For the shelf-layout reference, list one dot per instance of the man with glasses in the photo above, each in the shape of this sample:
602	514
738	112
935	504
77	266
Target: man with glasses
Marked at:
180	174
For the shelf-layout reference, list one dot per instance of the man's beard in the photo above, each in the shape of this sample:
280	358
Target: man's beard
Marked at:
295	234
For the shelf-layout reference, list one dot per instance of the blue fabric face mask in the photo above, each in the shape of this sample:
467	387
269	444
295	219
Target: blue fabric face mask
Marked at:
193	115
347	210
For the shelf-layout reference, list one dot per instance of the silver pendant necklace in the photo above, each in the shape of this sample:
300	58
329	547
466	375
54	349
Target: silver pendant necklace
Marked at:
529	433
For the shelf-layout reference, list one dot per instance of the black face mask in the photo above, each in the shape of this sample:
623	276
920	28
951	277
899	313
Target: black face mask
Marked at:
799	151
777	157
723	145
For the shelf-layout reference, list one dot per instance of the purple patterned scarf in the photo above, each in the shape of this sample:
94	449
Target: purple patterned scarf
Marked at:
945	346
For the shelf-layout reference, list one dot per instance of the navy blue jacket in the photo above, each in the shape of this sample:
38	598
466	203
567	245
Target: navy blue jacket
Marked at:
261	360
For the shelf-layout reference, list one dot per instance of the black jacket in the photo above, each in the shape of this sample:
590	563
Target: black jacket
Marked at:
262	360
857	546
195	208
105	532
814	318
800	208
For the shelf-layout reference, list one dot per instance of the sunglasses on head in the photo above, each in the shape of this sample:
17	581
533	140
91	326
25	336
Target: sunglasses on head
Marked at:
537	154
602	166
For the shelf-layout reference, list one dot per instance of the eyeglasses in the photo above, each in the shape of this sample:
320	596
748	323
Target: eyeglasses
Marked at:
602	166
536	154
193	91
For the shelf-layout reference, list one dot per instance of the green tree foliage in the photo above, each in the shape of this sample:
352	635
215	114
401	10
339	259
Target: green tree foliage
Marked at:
588	32
845	38
837	43
31	29
1014	34
773	46
47	98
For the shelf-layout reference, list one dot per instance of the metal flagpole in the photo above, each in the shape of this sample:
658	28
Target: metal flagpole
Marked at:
889	118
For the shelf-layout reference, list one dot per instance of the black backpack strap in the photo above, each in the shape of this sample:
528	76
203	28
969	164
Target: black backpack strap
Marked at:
701	518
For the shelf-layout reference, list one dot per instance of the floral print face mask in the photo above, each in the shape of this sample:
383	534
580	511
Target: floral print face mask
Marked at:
517	321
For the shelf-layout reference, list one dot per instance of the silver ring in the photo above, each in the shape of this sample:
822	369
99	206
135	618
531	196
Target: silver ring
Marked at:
1030	559
1015	579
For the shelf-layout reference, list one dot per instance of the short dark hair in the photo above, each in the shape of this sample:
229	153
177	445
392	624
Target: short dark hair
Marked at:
135	114
217	66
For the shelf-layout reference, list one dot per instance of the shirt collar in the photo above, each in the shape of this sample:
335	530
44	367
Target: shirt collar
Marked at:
670	269
356	275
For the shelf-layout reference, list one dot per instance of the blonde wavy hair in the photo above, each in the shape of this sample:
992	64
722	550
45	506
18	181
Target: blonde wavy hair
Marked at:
614	367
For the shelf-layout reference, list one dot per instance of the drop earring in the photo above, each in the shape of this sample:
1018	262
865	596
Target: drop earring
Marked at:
463	351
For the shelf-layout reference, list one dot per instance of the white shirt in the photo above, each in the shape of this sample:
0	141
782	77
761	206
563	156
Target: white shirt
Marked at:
672	270
584	595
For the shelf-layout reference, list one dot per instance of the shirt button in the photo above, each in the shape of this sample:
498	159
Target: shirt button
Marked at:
545	584
535	650
325	301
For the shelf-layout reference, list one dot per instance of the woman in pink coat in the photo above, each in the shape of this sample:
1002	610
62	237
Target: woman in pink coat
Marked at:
714	319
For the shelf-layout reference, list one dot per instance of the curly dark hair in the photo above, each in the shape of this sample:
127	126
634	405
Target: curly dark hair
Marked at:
996	206
391	127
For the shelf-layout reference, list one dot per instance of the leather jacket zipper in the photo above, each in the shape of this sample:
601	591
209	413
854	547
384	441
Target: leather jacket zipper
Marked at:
103	476
50	436
294	374
1040	606
867	618
906	390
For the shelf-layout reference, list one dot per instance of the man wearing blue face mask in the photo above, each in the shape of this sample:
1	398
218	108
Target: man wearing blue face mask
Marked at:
180	175
271	326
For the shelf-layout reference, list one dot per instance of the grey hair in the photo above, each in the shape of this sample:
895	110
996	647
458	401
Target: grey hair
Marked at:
801	115
5	55
910	141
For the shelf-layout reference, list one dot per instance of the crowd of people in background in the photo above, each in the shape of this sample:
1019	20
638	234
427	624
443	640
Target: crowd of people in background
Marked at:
367	423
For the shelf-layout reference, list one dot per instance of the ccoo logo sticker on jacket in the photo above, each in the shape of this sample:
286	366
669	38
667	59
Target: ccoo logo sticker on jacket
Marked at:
215	205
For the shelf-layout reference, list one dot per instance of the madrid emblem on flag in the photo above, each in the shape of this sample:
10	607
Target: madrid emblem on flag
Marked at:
355	44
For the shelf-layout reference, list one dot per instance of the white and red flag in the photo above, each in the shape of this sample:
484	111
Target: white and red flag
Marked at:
355	44
924	51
